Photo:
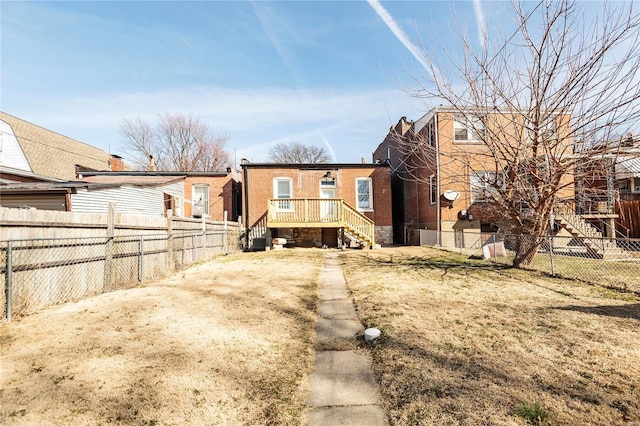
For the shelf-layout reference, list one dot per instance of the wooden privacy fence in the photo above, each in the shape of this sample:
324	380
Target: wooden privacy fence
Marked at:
48	258
629	212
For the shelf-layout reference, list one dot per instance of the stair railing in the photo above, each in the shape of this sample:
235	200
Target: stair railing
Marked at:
564	212
356	221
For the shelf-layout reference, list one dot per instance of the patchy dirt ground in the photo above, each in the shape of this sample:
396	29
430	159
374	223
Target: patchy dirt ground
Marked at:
228	342
470	343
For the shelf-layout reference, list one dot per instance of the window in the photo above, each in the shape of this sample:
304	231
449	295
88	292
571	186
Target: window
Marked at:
433	189
547	129
467	128
431	135
363	194
283	188
483	184
200	200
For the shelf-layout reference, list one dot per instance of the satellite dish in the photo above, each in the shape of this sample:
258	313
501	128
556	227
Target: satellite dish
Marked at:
450	195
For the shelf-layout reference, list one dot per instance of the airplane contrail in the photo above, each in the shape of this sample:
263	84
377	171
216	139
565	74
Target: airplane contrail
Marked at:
399	33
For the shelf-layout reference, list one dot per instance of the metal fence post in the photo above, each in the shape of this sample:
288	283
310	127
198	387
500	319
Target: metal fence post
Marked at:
552	224
108	248
141	260
225	242
9	284
553	266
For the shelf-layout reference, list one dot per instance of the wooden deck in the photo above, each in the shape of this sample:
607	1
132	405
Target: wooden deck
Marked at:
319	213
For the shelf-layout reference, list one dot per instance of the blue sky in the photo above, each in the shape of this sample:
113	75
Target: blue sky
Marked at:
330	74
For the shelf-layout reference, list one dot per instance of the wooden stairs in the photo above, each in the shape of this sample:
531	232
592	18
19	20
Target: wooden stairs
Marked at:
596	243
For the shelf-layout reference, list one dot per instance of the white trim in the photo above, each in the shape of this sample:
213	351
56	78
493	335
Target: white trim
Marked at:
370	183
466	122
283	206
194	202
433	190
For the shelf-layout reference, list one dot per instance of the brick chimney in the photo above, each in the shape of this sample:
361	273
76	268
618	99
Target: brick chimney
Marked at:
116	164
152	164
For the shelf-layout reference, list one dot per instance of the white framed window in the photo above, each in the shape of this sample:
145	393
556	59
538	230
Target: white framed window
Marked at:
483	184
200	199
468	128
364	195
433	190
547	129
431	134
283	189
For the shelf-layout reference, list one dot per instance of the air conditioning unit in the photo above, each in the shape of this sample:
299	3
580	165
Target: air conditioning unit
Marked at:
464	215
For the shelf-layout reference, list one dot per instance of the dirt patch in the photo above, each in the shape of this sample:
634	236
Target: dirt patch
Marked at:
466	342
227	342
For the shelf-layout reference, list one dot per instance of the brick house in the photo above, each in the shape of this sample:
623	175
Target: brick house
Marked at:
317	205
443	188
211	194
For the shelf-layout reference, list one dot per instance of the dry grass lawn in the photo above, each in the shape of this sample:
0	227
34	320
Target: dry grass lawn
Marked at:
466	342
229	342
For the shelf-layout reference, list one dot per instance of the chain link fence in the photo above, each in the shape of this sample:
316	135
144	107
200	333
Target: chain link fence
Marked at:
607	262
42	272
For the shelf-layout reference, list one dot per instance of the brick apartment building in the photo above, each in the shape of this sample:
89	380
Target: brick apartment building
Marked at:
440	172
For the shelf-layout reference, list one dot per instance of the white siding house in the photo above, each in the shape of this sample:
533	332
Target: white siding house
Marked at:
142	195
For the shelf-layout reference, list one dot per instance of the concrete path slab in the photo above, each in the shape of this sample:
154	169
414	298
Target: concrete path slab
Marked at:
342	378
337	309
343	390
334	292
328	330
368	415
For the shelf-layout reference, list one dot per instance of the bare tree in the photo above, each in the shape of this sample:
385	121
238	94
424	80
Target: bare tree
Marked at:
547	99
297	153
178	143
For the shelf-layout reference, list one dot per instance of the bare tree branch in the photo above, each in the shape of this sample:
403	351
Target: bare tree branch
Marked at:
178	143
297	153
548	100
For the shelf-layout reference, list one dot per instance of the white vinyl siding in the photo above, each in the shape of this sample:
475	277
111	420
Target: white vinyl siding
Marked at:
364	195
129	199
11	153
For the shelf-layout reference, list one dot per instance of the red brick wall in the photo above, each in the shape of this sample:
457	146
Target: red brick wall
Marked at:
221	195
306	184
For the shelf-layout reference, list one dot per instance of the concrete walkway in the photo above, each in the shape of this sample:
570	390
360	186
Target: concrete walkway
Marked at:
343	389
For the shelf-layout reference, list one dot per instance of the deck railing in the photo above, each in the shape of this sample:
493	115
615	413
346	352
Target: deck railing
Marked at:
319	212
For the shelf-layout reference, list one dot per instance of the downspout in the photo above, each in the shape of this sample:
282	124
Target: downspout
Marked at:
437	143
245	185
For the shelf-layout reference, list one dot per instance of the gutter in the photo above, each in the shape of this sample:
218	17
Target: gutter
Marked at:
438	211
245	184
